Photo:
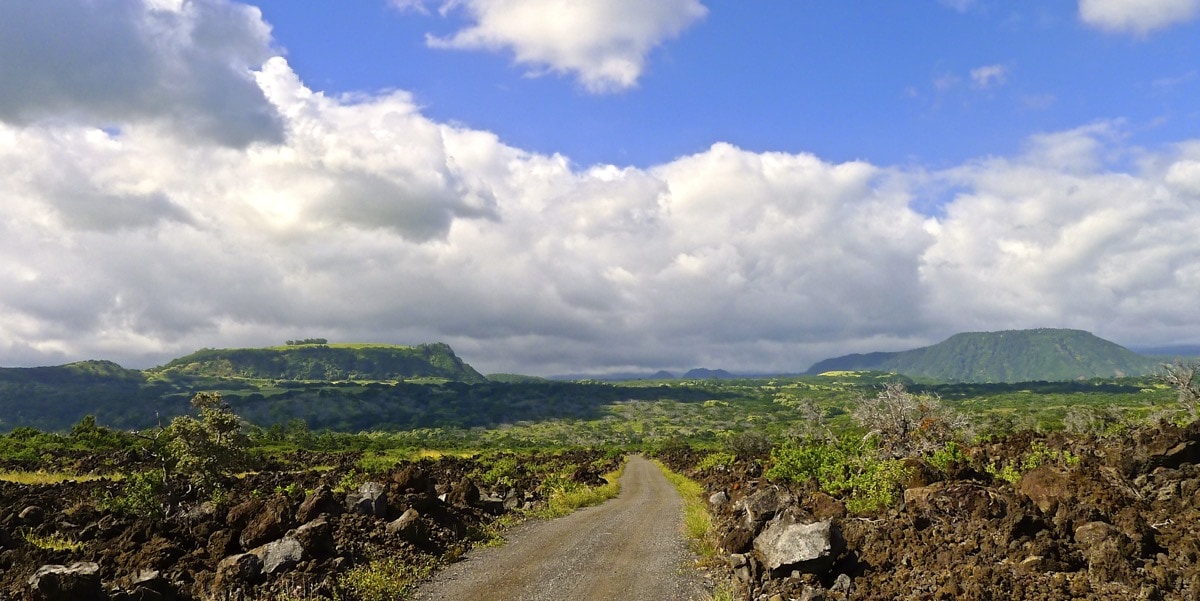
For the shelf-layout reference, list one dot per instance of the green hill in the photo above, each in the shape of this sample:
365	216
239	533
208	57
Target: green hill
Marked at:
327	362
1010	356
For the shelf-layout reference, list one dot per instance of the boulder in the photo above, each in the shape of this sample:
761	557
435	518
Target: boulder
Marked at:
809	548
79	582
370	499
718	500
463	494
412	479
239	515
316	537
407	526
272	521
281	555
150	585
1047	486
956	499
317	502
763	505
1109	552
238	570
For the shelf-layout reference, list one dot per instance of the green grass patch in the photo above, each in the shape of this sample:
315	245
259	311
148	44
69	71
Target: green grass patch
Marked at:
566	496
382	580
697	523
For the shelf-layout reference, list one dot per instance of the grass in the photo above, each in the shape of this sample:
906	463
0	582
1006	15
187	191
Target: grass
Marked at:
44	477
567	497
697	524
383	579
53	542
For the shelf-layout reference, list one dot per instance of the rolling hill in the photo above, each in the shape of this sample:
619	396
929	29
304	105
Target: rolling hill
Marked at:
327	362
1043	354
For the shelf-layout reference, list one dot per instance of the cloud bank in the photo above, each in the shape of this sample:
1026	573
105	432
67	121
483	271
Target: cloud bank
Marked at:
130	235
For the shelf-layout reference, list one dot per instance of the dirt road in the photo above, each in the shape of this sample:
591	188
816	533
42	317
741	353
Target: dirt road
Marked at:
630	548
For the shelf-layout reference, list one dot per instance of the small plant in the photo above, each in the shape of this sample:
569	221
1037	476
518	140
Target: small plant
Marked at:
350	480
503	472
207	449
949	455
1039	455
908	424
291	490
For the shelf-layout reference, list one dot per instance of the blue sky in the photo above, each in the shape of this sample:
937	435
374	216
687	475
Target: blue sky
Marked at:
886	82
595	185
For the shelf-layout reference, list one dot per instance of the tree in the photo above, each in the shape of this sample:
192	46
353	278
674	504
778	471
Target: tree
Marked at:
208	448
1182	376
908	424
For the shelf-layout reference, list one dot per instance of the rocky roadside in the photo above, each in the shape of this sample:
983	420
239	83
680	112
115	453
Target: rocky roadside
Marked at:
273	534
1121	523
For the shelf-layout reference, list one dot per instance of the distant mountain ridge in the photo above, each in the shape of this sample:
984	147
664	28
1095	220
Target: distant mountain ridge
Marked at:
1046	354
327	362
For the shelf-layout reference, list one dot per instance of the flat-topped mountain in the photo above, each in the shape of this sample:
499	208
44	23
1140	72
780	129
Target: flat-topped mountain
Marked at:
327	362
1044	354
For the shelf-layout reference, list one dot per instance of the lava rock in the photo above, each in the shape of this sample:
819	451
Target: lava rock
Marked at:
808	548
79	582
319	501
370	499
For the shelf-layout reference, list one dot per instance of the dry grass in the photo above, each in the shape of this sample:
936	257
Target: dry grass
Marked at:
44	477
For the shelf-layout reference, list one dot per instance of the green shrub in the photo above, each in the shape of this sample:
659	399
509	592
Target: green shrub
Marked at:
848	468
142	495
722	460
949	455
1039	454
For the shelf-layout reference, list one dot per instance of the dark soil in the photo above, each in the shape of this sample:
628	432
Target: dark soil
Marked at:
1123	523
193	551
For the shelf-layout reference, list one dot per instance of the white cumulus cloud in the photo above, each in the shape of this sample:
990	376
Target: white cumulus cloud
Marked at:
187	66
603	43
1136	16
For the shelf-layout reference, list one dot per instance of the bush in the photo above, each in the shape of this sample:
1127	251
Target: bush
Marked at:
906	424
848	468
715	460
750	444
945	458
141	496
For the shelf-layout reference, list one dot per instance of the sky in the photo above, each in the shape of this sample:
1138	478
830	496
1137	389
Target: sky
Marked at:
594	186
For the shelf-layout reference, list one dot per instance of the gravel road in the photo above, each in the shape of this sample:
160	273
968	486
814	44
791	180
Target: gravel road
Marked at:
630	548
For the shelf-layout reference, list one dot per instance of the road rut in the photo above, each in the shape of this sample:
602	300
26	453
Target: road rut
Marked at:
629	548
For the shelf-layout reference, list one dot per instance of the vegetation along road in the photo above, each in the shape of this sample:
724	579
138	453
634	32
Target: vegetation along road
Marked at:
630	548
